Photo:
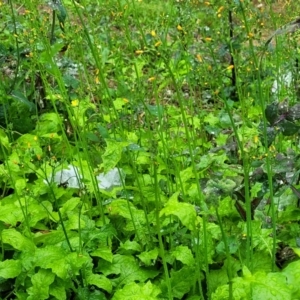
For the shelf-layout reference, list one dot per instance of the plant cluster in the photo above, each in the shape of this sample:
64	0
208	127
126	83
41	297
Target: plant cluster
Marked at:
148	150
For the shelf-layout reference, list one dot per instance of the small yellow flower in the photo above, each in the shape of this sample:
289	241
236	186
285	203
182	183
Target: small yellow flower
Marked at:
272	148
151	79
157	44
208	39
179	27
75	102
199	58
250	35
96	79
230	67
139	52
220	9
153	33
256	139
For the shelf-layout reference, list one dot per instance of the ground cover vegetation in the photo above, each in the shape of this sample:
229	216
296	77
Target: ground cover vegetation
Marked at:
149	150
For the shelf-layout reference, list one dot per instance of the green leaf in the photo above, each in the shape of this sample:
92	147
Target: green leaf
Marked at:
40	285
292	273
270	286
103	131
148	257
64	264
4	139
10	268
103	252
61	14
187	174
100	281
49	123
69	206
289	128
271	133
58	289
134	291
271	112
131	246
17	240
119	103
181	281
11	214
20	97
112	154
128	211
185	212
155	110
126	269
85	293
184	254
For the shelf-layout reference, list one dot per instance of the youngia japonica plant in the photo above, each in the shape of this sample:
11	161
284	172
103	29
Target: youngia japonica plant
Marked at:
149	150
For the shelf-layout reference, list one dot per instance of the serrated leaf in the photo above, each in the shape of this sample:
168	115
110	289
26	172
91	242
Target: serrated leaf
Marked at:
112	154
103	252
292	273
126	269
270	286
148	257
17	240
134	291
184	254
11	214
51	257
10	268
69	205
40	285
131	246
182	281
100	281
58	289
49	123
186	174
185	212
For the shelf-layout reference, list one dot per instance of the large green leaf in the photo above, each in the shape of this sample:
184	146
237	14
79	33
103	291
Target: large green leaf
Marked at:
100	281
17	240
185	212
112	154
40	285
184	254
292	273
134	291
149	257
10	268
181	281
126	270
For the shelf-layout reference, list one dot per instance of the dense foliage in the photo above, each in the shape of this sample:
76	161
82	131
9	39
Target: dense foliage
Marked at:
149	150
